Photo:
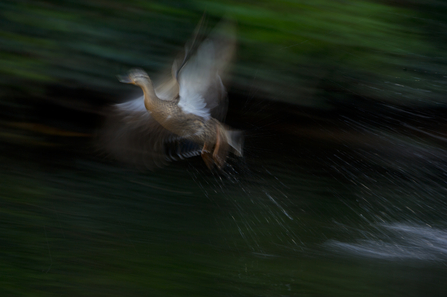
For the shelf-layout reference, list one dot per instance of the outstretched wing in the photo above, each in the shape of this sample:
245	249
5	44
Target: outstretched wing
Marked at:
201	90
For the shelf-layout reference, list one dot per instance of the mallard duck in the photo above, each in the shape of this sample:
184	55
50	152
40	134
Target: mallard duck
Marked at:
185	109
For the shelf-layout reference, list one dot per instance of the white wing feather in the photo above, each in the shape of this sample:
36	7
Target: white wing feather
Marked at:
195	79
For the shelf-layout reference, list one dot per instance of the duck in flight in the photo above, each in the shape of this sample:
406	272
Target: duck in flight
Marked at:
183	110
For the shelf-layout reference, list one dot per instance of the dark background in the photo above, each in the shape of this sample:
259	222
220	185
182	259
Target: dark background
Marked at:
341	191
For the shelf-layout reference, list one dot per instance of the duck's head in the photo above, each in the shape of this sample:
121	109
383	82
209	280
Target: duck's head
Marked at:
135	76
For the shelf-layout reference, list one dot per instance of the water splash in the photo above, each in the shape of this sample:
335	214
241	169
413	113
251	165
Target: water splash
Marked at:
398	241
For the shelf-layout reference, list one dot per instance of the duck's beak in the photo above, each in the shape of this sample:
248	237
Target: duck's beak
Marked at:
125	79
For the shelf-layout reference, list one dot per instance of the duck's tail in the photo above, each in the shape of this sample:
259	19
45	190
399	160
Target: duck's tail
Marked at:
235	139
226	141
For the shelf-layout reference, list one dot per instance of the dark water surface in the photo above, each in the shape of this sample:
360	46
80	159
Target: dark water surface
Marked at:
318	219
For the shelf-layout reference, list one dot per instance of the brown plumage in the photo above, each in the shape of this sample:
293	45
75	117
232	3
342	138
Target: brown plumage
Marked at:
184	108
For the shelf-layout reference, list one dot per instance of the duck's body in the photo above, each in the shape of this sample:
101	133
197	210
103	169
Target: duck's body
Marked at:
174	118
188	122
188	105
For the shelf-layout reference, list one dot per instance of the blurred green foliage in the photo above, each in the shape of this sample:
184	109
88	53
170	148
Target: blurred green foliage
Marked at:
304	52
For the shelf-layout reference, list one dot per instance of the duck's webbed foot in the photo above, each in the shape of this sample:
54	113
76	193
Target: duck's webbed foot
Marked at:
220	150
206	156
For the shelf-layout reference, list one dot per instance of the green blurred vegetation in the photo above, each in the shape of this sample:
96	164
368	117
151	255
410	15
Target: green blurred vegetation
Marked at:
304	52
